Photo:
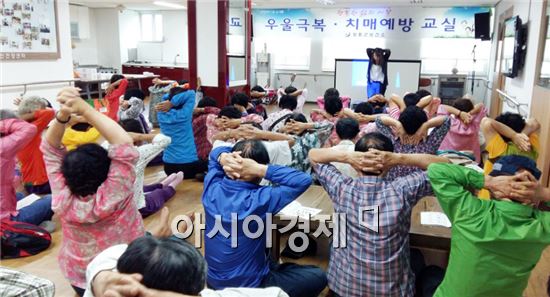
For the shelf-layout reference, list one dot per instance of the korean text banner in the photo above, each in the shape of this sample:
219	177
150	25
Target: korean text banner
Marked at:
392	22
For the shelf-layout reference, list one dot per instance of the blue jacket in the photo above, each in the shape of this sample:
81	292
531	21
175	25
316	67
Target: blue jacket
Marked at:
177	124
247	264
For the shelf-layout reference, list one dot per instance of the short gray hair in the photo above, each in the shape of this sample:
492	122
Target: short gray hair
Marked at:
31	104
7	114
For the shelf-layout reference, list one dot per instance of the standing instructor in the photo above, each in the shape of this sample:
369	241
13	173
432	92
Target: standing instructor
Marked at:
377	75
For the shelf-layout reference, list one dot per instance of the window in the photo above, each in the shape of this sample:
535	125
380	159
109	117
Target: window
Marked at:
347	48
285	54
441	55
151	27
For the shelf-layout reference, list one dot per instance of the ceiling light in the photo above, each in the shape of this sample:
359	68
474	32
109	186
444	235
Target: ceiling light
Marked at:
326	2
169	4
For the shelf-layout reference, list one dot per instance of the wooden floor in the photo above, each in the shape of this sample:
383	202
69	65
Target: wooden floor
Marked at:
187	200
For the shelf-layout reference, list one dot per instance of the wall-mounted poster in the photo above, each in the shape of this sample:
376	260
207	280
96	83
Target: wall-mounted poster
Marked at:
28	30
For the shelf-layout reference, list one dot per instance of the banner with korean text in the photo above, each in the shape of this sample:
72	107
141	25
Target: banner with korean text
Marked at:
391	22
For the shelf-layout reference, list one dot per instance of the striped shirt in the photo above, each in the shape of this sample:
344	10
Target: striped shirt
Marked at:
373	263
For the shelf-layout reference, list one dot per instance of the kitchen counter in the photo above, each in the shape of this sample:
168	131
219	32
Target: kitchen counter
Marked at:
165	71
156	65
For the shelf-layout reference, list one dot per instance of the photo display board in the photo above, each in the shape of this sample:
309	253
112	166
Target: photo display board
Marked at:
28	30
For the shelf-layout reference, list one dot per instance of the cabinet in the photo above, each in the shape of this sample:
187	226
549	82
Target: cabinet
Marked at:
80	22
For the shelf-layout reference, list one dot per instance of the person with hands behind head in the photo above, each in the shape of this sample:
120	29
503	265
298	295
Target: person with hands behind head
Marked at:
378	102
156	92
300	95
15	134
206	107
463	134
234	174
424	101
377	72
307	136
115	90
157	266
533	189
92	188
79	132
410	135
34	110
380	251
276	120
242	102
509	134
334	111
496	243
277	144
175	116
229	117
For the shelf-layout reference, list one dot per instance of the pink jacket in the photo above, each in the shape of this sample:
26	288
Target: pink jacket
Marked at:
93	223
16	134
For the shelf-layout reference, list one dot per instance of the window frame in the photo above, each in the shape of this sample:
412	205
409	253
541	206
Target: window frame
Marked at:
154	29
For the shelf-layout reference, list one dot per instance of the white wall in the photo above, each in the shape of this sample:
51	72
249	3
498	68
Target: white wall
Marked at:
128	32
175	36
85	51
174	25
108	37
207	43
530	12
15	72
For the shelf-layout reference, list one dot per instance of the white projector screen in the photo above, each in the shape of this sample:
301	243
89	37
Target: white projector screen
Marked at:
350	77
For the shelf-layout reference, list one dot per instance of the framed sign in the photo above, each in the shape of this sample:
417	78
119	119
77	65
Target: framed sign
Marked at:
28	30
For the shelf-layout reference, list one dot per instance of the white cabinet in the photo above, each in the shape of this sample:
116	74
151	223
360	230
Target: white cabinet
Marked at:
80	22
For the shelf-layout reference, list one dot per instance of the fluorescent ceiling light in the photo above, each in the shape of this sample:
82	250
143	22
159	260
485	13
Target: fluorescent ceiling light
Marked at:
169	4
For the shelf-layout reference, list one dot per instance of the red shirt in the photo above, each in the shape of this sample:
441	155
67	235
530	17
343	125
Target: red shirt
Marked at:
31	158
113	99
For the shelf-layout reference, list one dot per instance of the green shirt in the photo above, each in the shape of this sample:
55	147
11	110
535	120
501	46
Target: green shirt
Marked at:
494	244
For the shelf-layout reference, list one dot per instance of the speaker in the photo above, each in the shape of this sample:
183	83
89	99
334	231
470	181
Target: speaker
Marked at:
483	26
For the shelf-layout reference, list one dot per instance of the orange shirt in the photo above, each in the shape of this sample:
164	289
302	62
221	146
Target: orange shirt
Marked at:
31	158
113	99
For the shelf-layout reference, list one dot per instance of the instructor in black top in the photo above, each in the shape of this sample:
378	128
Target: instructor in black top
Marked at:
377	75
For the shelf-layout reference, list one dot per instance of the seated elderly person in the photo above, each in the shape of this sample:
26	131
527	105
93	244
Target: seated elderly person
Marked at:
150	266
496	243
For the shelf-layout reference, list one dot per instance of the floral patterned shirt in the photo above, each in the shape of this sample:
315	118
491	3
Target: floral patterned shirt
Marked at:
212	128
429	146
93	223
200	130
308	141
333	139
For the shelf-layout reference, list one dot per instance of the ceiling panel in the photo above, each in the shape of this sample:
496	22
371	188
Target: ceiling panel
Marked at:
129	4
148	4
363	3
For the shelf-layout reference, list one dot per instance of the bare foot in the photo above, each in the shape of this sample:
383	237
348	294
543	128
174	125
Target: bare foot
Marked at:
162	227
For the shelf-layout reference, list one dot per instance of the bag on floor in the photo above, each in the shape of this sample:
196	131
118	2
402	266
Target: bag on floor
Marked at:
22	239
